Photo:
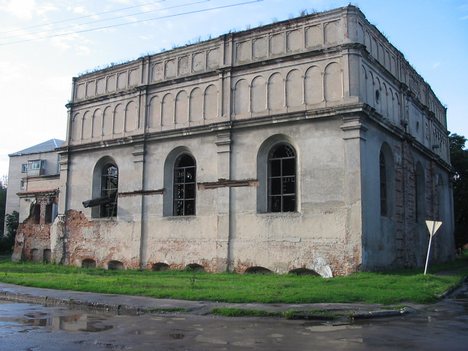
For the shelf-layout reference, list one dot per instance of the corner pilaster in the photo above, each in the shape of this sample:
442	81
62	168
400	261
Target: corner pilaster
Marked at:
354	136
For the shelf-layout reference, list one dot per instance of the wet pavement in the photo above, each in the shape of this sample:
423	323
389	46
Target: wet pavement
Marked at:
35	327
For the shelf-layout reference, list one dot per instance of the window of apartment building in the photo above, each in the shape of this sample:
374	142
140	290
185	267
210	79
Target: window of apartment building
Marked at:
184	186
282	179
24	168
35	165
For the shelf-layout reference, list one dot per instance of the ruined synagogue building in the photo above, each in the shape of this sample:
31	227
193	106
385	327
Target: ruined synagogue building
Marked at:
308	144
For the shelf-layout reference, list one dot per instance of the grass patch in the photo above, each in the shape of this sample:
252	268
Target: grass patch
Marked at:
394	287
241	312
314	314
167	310
289	314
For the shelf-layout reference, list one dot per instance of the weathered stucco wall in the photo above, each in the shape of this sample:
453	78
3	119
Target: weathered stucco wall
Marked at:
401	237
329	85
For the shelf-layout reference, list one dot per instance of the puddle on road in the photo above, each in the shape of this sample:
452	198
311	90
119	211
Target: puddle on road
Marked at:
13	315
73	322
329	327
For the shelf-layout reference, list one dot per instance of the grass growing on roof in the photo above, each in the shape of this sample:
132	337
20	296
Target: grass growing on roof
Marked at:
387	287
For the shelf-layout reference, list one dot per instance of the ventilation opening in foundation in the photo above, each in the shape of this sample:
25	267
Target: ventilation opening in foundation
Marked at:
194	267
115	265
258	270
160	267
303	271
46	255
88	263
35	255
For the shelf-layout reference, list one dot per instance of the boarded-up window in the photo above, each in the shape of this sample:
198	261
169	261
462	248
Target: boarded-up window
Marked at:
241	97
332	82
196	105
119	117
167	110
211	102
131	117
258	94
294	89
313	85
276	92
181	108
155	112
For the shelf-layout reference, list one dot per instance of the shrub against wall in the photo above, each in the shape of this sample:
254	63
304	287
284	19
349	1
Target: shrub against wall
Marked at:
8	239
459	160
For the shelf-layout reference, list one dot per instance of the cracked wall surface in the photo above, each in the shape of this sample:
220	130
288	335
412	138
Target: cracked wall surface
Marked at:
328	85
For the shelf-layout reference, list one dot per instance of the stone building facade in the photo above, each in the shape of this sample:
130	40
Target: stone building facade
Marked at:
33	190
310	143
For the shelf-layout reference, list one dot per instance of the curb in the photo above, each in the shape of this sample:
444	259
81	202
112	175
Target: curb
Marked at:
380	313
122	309
72	303
448	292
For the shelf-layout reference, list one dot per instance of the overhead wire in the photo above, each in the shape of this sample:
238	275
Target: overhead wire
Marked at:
113	18
83	16
133	22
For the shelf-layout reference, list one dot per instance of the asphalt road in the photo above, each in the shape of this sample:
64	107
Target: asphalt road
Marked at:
442	326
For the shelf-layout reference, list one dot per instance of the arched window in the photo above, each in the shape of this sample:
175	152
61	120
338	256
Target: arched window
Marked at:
282	179
109	188
184	186
383	186
387	180
420	194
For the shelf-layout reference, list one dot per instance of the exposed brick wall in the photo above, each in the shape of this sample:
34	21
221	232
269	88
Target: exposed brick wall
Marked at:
96	239
31	241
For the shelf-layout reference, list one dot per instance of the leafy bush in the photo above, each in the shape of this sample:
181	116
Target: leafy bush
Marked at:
8	239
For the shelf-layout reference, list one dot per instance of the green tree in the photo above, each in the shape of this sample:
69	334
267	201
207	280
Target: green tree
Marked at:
3	191
459	160
8	240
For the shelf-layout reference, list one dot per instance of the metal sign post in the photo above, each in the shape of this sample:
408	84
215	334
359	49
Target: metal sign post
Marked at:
432	226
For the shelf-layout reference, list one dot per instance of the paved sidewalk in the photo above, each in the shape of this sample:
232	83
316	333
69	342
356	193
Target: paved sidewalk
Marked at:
124	304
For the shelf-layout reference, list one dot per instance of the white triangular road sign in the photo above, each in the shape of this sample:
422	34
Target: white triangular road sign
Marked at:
433	226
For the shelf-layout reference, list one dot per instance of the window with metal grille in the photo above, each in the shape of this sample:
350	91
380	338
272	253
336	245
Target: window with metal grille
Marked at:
184	186
109	188
282	179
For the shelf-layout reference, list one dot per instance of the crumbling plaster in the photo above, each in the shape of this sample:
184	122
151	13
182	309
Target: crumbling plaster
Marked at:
330	85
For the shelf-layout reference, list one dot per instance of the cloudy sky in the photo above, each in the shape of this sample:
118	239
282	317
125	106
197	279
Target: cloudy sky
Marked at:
44	43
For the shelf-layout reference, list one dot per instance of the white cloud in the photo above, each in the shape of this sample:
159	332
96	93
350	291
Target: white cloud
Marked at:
83	50
80	10
146	37
125	2
74	41
435	65
43	9
10	72
21	9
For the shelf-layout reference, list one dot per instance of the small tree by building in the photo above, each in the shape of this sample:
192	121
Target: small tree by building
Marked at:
459	160
3	191
8	239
